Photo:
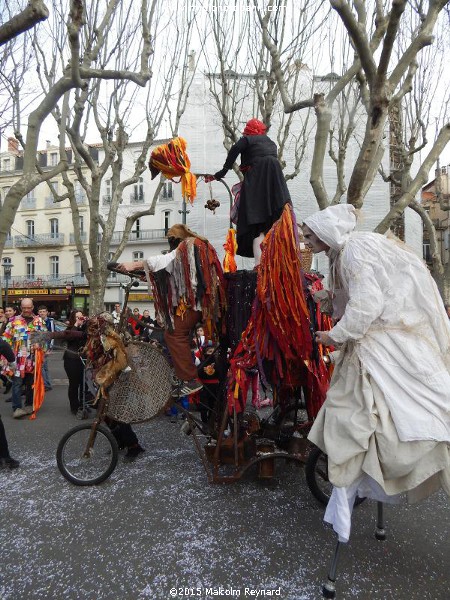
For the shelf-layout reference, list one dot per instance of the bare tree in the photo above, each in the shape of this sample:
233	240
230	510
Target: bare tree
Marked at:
77	73
115	113
242	79
373	33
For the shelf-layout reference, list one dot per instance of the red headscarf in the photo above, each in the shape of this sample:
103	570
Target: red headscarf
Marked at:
255	127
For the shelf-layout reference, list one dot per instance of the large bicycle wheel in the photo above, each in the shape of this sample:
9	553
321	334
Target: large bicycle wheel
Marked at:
316	472
82	464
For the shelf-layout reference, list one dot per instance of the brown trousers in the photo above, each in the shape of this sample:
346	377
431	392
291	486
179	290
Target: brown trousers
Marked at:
179	344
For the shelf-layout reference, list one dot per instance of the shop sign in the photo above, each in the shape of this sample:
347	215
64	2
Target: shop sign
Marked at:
78	303
31	292
140	298
82	291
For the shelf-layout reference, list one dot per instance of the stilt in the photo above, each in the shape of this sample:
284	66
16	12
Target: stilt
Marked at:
329	588
380	532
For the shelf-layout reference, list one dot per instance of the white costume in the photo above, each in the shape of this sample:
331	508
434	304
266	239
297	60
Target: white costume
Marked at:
385	424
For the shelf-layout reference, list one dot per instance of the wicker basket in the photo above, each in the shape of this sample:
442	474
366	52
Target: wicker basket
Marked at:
143	392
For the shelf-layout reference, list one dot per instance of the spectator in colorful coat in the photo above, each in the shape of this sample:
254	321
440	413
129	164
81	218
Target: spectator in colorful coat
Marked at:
17	334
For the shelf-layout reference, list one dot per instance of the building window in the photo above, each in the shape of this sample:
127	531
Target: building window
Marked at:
137	230
81	224
30	228
167	191
107	197
54	186
78	266
53	159
54	228
138	255
426	253
112	274
30	267
166	215
6	164
138	191
54	266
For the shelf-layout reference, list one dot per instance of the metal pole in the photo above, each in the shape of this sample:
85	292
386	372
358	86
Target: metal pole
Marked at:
6	287
183	212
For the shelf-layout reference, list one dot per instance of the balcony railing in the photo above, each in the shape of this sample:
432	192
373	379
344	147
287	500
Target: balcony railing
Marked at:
137	198
28	203
145	235
24	281
49	202
9	242
80	198
83	236
41	239
106	200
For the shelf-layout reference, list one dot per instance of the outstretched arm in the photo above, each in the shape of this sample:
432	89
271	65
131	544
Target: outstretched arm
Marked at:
234	152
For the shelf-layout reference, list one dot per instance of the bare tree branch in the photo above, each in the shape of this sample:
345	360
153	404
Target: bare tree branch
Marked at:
35	12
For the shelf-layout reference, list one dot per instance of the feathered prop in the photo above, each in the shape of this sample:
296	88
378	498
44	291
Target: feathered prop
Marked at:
172	161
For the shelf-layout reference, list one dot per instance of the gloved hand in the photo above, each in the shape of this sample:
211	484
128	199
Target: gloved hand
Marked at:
220	174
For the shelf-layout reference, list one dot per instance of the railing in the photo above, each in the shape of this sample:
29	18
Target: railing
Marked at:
9	242
28	204
24	281
49	202
137	199
41	239
140	236
80	199
106	200
83	236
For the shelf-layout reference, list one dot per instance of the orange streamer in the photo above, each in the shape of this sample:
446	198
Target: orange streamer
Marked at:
38	386
230	247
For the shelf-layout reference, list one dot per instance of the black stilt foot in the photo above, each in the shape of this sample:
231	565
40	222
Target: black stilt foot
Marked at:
329	589
380	532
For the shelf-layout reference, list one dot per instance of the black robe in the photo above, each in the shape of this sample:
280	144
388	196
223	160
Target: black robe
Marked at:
264	191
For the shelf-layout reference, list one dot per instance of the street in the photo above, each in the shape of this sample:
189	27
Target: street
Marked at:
157	530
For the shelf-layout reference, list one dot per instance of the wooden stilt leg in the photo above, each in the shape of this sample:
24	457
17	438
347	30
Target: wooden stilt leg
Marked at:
380	532
329	588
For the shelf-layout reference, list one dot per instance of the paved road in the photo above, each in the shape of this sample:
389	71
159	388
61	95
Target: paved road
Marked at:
156	524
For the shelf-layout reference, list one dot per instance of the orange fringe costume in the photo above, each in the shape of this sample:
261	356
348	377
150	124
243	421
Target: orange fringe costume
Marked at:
230	247
172	161
282	325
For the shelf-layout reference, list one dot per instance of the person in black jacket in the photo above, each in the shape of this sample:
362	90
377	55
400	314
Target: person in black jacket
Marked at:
73	365
6	461
263	193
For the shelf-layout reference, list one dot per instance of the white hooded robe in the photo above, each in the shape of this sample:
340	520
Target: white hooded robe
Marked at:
385	424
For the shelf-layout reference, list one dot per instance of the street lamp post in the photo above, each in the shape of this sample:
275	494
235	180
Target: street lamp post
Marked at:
7	266
70	287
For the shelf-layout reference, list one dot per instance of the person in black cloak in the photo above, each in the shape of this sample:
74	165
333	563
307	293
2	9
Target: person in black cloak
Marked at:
263	193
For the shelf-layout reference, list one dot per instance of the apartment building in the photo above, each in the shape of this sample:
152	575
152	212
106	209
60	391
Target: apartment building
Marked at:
40	252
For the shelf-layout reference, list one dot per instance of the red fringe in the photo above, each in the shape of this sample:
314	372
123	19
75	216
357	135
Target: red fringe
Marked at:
279	330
